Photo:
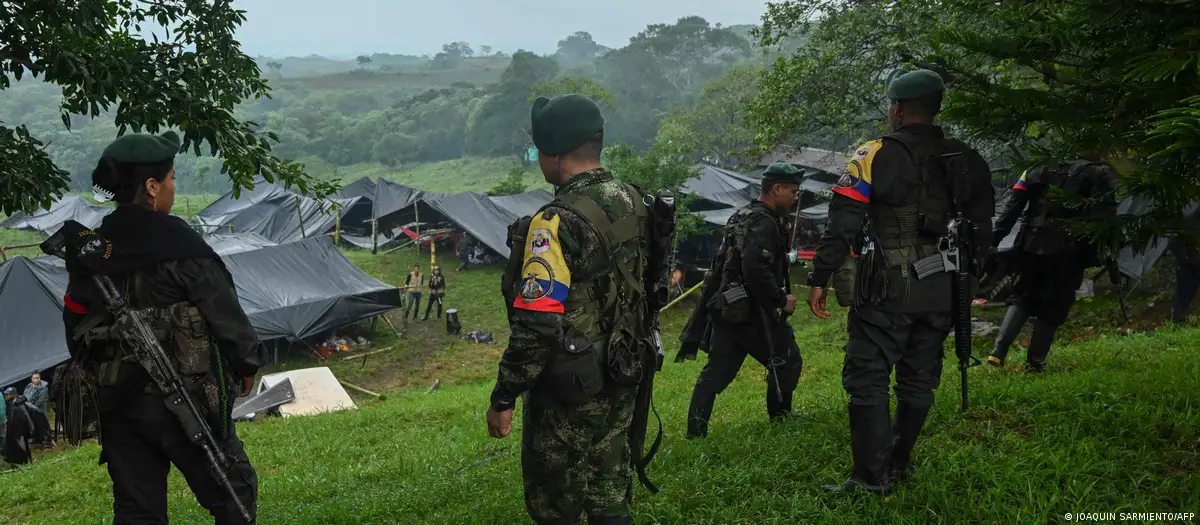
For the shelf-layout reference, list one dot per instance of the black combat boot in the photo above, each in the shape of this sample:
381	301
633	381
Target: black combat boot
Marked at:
609	520
907	427
870	441
699	413
1039	346
1010	328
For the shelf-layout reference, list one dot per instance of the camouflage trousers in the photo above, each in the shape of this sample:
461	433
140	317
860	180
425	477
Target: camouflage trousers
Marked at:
575	459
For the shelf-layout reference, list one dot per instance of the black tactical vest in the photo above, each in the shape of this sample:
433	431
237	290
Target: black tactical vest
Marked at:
1045	232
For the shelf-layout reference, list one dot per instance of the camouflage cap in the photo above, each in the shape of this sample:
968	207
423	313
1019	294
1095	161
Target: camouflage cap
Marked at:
783	173
564	123
141	148
914	84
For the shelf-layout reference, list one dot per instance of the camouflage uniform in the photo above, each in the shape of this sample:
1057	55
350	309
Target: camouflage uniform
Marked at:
574	453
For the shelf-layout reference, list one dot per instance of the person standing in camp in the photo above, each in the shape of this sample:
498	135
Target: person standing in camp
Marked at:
906	187
437	292
754	301
464	252
37	392
163	267
413	284
573	287
1051	260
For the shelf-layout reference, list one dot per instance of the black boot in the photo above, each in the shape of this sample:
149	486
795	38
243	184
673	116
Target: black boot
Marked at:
609	520
909	420
699	413
870	441
1010	328
1039	346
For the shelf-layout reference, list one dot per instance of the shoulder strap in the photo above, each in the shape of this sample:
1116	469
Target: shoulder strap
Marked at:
611	234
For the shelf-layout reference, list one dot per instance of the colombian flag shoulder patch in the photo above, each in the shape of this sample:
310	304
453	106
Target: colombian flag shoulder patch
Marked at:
855	182
546	281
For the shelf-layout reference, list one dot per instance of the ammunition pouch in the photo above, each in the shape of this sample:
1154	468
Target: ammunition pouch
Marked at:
733	303
843	282
576	371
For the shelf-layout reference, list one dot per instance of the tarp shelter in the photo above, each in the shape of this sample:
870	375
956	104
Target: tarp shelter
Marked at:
290	291
231	243
32	337
811	159
484	217
364	187
300	289
225	208
280	215
720	188
48	221
1136	264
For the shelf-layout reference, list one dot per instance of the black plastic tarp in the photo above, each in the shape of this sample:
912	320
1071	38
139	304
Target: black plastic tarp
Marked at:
720	188
32	337
392	197
364	187
66	209
303	288
523	204
289	291
487	218
225	208
285	217
230	243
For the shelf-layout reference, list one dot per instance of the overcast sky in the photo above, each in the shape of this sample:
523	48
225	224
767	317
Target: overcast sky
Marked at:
281	28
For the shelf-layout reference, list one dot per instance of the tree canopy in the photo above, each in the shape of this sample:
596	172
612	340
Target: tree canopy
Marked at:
1054	79
190	80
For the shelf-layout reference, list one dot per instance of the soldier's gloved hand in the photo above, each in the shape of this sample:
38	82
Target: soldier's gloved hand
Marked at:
790	307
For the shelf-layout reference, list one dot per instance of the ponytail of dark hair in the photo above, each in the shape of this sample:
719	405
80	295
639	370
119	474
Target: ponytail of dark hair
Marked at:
127	181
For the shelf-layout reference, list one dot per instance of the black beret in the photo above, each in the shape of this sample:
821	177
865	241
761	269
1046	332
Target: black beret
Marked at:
564	123
783	173
141	148
914	84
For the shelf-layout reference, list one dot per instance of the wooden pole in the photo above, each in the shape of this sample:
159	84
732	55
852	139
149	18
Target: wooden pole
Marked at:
188	206
681	296
300	214
373	352
362	390
417	216
374	236
337	229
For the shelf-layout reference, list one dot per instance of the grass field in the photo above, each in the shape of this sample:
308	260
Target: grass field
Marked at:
1113	427
476	174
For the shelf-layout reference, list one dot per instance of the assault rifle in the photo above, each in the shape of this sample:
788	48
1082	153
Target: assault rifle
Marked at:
962	232
78	245
662	233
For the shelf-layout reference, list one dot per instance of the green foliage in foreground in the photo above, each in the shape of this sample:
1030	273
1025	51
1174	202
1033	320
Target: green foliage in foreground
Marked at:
1114	428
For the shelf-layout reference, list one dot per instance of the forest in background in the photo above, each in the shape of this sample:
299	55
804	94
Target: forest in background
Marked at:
677	89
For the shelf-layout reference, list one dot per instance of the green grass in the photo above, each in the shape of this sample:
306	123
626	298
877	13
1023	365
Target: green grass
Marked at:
1113	427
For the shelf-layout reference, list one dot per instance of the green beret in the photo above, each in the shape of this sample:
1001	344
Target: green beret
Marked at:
914	84
141	148
564	123
784	173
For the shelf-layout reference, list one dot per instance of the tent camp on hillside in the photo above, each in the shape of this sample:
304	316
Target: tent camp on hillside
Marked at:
48	221
290	292
282	215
